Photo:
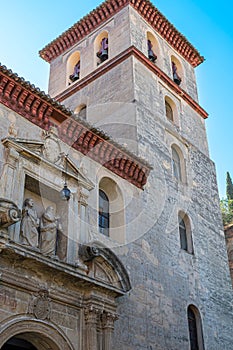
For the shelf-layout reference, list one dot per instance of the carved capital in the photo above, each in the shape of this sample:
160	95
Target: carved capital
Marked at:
91	314
108	319
9	213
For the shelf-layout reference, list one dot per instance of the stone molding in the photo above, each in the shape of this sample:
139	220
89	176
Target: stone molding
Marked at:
9	213
107	10
132	51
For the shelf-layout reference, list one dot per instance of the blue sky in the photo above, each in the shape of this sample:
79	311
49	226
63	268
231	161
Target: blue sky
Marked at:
27	26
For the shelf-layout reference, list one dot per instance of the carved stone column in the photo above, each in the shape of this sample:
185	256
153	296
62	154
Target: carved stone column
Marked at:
91	320
108	320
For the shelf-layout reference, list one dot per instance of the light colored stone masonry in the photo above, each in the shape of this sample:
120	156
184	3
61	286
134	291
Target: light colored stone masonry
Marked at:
165	279
128	102
125	29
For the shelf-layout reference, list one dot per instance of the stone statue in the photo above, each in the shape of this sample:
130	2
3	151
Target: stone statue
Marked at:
29	224
49	226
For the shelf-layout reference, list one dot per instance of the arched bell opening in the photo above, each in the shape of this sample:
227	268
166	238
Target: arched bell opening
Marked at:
73	67
152	47
101	47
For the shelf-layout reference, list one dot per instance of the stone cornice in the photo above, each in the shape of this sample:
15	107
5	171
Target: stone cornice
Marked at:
43	111
109	64
108	9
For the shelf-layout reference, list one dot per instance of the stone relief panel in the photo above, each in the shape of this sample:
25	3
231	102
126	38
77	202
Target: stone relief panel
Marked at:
39	305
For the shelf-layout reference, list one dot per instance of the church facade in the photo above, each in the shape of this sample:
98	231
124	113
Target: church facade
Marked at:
111	235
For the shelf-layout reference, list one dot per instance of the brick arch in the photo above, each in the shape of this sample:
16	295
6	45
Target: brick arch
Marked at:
41	334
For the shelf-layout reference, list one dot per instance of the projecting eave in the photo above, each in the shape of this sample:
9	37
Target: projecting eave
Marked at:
108	9
43	111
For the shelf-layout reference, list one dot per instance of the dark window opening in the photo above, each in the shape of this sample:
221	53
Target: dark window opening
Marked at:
103	213
18	344
177	79
102	54
192	330
183	235
75	75
152	56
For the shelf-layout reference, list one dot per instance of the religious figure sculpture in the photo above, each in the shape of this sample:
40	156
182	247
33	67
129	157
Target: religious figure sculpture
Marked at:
49	226
29	224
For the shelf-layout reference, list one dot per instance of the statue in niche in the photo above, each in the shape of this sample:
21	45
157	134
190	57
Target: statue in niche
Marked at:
29	224
49	227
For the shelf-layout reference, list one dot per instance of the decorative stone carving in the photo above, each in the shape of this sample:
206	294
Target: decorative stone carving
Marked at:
9	213
88	252
51	148
39	305
29	224
49	227
108	320
12	131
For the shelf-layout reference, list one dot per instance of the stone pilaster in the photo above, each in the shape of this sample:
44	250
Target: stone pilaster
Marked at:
108	320
91	321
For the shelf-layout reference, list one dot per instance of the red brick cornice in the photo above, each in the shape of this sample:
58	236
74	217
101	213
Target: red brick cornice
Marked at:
109	64
109	8
43	111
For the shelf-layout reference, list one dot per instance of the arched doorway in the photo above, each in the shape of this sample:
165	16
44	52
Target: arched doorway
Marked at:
18	344
32	334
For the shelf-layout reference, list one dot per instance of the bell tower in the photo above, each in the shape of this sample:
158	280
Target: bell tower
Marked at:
121	66
125	69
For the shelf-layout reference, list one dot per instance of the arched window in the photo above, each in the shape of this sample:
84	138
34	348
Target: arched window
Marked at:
183	234
176	166
102	47
176	70
152	47
73	67
111	210
169	111
195	329
81	111
75	75
186	242
103	213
